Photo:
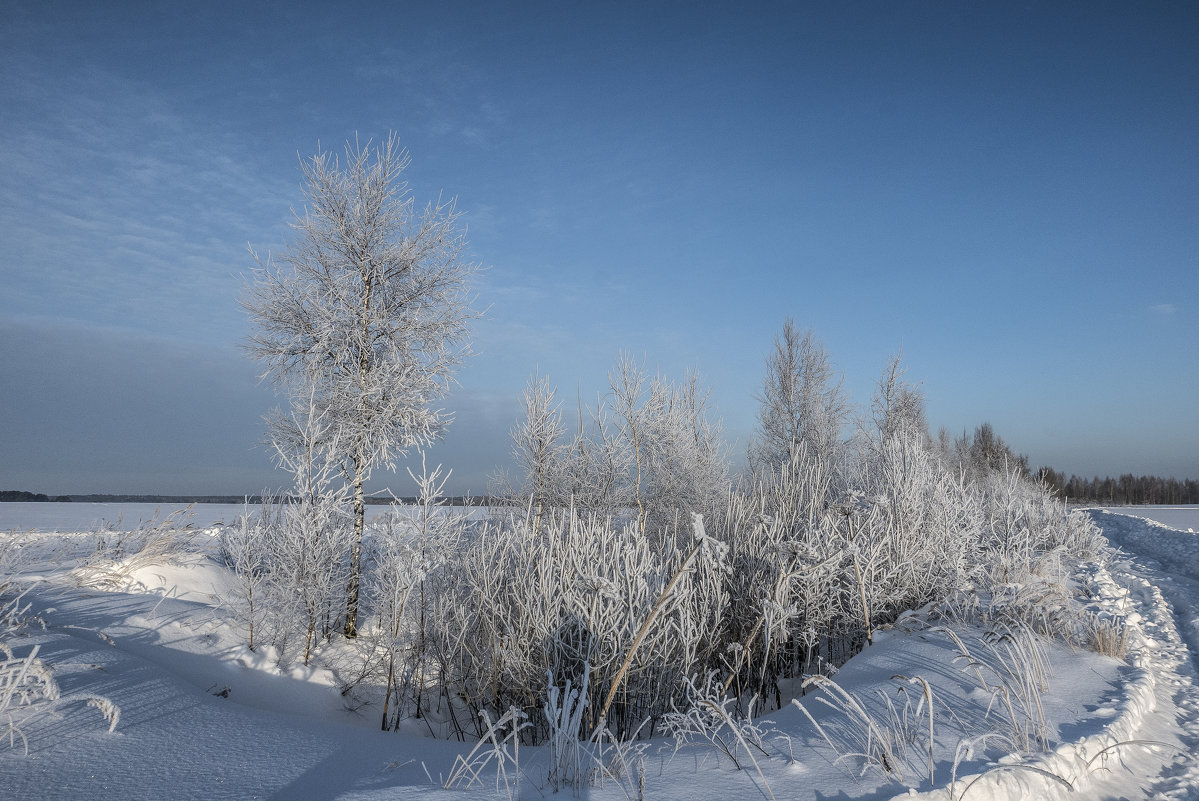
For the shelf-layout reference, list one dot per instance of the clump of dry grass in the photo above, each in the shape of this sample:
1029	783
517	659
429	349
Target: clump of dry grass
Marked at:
881	731
1010	665
1106	635
120	554
28	689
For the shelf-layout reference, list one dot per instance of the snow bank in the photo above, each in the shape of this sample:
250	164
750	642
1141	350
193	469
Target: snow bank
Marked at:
1076	766
1136	736
246	727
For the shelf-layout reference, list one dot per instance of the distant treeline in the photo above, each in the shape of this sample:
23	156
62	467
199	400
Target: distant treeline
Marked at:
35	497
169	500
1127	489
21	495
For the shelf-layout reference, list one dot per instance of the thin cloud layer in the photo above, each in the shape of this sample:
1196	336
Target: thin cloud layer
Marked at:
969	185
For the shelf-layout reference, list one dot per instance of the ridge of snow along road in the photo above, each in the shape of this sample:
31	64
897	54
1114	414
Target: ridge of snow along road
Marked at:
1169	559
1155	729
1071	767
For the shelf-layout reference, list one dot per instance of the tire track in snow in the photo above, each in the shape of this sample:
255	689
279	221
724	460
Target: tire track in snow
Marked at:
1160	568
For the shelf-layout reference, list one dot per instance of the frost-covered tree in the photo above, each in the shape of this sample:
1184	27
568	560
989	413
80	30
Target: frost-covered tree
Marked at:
537	444
802	403
981	454
593	465
897	406
686	454
651	448
673	453
368	311
634	409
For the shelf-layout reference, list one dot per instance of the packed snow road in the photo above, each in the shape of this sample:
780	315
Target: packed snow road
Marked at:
1160	568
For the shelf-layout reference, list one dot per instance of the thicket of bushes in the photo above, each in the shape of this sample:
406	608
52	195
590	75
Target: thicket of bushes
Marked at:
628	561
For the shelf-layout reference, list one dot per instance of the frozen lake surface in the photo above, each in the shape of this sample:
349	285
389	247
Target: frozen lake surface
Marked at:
93	516
1183	518
123	516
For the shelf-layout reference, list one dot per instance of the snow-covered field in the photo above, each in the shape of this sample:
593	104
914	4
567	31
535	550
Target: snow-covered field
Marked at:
74	517
1184	518
203	717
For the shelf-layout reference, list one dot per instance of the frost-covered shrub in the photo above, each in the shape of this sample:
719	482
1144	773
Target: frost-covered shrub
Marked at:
926	520
291	555
308	565
783	582
1027	545
245	551
823	555
411	548
289	563
798	570
579	593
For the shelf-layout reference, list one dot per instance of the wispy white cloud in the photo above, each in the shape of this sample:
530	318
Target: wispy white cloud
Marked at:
1163	309
442	91
120	207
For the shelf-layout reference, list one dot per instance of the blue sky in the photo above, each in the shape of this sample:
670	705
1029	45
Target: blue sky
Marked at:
1009	193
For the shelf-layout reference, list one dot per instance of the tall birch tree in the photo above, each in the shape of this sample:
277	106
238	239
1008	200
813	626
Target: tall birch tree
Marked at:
367	312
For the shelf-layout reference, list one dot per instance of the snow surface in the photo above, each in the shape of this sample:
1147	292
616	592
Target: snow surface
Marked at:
75	517
202	717
1183	518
